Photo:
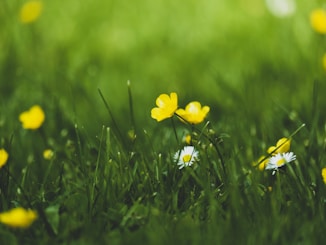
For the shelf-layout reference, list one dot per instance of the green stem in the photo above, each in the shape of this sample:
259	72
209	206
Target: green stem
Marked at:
213	141
174	130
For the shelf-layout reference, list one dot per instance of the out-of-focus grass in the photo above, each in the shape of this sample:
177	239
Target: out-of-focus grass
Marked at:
162	46
261	75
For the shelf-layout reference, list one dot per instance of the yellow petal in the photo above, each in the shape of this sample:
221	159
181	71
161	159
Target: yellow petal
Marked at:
162	100
174	99
205	110
262	163
3	157
18	217
283	145
271	149
318	20
159	114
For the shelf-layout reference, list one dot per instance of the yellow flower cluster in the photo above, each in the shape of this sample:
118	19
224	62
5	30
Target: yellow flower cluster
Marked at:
18	217
167	106
282	146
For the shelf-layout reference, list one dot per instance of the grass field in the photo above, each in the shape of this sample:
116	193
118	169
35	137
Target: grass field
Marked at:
111	173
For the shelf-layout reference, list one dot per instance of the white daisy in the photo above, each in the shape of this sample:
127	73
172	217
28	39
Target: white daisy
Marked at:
279	160
186	157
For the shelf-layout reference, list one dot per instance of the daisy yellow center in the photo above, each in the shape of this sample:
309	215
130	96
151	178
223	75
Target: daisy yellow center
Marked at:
186	158
280	162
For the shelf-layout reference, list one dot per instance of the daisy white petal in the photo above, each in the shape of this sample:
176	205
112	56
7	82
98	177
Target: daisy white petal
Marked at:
186	157
280	160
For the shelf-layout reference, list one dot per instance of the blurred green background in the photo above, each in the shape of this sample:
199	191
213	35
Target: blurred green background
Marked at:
259	70
232	55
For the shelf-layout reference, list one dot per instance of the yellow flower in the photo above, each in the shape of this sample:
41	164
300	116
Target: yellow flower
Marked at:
262	162
166	106
3	157
323	174
33	118
30	11
282	146
318	20
187	139
18	217
193	112
48	154
324	61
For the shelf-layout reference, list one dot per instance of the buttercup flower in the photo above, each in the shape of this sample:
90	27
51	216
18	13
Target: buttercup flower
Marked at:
3	157
280	160
33	118
48	154
282	145
166	106
30	11
186	157
262	162
323	174
18	217
187	139
318	20
193	112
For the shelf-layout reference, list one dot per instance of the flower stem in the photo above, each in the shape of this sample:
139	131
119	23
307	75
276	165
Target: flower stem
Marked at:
174	130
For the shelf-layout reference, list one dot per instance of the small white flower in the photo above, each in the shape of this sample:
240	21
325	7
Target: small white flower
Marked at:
279	160
186	157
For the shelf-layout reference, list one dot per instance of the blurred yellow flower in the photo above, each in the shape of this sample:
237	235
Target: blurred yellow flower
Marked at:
193	112
282	145
324	61
318	20
187	139
18	217
323	174
48	154
33	118
3	157
262	163
30	11
166	106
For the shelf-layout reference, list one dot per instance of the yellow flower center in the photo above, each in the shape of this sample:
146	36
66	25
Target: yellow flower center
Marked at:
280	162
186	158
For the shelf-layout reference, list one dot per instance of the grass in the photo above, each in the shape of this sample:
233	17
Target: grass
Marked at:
113	179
